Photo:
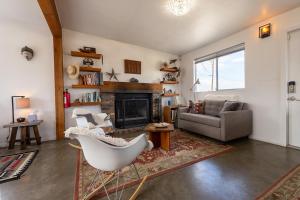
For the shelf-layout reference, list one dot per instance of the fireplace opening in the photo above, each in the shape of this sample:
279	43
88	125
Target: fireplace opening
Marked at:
132	110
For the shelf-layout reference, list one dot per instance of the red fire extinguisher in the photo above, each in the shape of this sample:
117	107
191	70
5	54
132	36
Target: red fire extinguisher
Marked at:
67	99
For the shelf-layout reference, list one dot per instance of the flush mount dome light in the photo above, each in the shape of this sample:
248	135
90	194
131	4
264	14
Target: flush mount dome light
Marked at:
179	7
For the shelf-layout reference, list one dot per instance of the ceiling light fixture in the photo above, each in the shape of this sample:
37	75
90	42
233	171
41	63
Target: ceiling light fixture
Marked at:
179	7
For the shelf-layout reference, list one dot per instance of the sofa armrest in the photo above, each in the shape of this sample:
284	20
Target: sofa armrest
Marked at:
235	124
182	110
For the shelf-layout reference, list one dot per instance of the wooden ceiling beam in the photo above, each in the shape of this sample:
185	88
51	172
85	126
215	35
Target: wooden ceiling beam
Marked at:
50	13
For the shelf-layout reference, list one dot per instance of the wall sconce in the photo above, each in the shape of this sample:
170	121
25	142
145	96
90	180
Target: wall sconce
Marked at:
265	31
27	53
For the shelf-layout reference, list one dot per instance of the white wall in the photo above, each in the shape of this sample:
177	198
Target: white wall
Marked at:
33	78
265	74
114	53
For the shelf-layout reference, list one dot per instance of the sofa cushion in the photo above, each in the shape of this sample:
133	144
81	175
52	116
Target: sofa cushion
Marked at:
213	107
230	106
241	106
202	119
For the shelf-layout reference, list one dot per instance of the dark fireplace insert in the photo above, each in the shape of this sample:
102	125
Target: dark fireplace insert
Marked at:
132	110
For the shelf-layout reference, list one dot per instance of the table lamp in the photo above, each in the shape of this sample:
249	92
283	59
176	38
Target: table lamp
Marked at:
21	102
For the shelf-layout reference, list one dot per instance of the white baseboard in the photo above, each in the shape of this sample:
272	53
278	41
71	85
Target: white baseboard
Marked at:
266	141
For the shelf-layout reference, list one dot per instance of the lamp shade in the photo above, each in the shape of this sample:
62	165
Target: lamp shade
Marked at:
23	103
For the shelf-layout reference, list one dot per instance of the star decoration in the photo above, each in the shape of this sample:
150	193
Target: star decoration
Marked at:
112	74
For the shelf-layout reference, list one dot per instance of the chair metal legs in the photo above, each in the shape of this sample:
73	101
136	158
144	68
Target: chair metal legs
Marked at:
112	176
93	182
103	183
136	171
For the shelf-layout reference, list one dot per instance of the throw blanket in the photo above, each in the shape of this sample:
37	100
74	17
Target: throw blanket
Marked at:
95	132
99	134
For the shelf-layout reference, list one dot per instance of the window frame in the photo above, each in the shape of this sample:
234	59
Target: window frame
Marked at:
216	56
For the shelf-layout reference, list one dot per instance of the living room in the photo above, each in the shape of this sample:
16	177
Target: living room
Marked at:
168	99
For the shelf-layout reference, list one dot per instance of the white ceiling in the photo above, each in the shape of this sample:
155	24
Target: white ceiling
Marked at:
24	11
149	24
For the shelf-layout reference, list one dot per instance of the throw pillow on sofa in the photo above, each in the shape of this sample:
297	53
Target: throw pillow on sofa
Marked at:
229	106
199	107
196	108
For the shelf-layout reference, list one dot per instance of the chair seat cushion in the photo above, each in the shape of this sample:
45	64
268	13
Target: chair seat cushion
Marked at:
118	142
202	119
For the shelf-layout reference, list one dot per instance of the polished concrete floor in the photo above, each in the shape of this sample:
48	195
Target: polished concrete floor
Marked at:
237	175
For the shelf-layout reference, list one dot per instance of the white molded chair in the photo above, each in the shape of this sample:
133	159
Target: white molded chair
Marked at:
106	157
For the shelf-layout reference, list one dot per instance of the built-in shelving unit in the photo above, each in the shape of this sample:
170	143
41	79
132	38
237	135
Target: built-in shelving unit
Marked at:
92	69
165	82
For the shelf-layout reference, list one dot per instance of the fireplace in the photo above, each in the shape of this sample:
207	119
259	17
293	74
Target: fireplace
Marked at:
132	109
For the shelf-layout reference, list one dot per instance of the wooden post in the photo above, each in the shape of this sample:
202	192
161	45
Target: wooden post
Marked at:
59	87
50	13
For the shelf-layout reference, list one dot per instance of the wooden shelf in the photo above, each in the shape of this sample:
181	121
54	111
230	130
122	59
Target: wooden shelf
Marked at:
169	70
169	82
78	104
86	86
89	69
86	55
169	95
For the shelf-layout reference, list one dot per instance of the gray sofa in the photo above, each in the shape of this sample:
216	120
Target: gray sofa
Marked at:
224	126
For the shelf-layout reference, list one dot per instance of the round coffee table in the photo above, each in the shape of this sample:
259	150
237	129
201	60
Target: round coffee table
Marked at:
160	136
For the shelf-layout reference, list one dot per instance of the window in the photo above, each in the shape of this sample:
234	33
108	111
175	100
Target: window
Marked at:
221	71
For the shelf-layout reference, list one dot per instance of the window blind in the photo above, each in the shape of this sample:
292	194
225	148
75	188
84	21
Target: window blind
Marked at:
223	52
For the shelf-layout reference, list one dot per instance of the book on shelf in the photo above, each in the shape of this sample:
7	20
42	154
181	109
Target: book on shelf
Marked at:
90	79
91	97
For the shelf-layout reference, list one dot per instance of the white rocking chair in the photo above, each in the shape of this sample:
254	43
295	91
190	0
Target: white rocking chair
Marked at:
110	158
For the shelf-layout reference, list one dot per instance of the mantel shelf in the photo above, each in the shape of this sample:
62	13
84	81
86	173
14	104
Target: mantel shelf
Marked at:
110	86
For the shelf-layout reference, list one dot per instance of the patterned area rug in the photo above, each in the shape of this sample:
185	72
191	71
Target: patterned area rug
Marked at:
186	149
286	188
13	166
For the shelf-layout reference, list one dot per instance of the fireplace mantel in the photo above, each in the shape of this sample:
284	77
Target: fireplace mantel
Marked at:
128	87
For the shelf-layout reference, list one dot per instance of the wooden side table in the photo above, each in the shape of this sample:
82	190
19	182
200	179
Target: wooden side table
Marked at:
25	133
160	136
170	113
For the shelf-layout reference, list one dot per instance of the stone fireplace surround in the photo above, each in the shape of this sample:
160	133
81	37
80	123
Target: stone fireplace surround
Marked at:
110	89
